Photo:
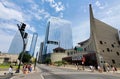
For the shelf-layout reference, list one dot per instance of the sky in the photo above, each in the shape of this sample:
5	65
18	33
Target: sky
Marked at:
36	13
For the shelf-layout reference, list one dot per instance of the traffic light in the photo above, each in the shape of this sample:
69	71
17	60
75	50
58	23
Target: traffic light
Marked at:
25	35
23	27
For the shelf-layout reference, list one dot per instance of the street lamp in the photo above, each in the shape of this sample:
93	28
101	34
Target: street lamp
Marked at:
24	35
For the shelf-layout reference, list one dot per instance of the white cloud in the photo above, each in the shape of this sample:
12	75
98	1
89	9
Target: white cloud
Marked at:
58	6
5	41
8	4
110	15
30	28
81	32
99	5
44	13
8	26
61	15
9	13
58	20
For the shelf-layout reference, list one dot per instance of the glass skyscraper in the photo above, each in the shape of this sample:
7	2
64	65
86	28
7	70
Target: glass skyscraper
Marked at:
60	31
16	46
33	44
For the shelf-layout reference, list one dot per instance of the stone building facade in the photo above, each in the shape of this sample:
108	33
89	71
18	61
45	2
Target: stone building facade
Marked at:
11	58
104	41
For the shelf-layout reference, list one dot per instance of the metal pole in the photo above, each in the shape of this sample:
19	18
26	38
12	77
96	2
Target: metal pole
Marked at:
22	54
35	61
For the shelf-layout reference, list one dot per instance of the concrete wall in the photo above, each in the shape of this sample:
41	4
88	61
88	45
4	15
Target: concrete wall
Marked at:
12	57
57	56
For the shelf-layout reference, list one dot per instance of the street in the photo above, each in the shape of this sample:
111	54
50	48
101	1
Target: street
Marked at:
49	72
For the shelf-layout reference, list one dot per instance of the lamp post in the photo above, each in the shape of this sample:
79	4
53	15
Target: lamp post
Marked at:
24	36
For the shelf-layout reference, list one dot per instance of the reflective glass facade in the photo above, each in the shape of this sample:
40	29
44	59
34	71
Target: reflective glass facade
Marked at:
59	31
16	46
33	44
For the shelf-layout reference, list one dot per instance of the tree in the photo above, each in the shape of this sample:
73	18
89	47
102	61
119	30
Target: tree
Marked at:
26	57
48	60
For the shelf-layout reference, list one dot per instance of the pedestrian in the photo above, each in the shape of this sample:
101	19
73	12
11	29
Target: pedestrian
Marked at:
30	68
99	69
108	68
115	69
25	69
11	70
83	66
77	66
91	68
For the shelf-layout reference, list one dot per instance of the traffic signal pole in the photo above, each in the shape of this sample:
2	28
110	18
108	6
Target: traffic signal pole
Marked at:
24	36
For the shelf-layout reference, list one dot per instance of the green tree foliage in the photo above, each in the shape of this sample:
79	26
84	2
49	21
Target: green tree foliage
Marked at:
26	57
60	63
48	60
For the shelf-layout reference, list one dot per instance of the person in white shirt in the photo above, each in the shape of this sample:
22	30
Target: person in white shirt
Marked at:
11	70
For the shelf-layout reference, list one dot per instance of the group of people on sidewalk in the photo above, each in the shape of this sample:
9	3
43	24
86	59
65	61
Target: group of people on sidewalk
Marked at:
27	68
104	69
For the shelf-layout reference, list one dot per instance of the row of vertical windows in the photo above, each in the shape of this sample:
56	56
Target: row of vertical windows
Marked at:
112	45
111	51
108	50
101	42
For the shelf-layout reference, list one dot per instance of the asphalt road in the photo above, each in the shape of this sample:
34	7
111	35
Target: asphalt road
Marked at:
60	73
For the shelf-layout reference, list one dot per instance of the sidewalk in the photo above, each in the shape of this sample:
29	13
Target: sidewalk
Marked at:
32	75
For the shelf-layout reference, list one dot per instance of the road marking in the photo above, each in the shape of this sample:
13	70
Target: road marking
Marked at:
42	76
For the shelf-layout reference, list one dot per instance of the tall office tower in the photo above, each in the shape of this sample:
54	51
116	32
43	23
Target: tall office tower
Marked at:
58	33
33	44
40	52
46	39
16	46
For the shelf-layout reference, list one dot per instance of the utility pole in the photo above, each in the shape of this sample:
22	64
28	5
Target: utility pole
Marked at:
35	61
24	35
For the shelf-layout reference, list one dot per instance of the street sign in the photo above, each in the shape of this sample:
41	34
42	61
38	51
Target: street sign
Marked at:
52	42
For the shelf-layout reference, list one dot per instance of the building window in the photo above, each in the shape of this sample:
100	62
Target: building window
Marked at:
84	49
71	53
105	42
108	49
103	50
118	53
112	45
113	61
101	42
68	53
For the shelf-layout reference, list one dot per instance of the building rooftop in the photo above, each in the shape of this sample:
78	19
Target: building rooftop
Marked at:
59	49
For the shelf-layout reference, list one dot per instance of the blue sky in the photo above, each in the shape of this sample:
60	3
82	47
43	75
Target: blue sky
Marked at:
36	13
